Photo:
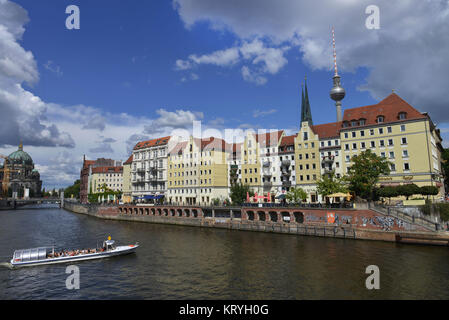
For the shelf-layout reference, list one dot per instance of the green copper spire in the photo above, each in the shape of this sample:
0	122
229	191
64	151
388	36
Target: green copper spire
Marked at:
306	113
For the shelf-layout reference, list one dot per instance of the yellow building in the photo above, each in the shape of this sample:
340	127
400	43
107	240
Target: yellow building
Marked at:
198	172
112	177
127	190
395	130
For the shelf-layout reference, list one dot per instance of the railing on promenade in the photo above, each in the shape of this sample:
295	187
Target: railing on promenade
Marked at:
302	205
253	205
397	213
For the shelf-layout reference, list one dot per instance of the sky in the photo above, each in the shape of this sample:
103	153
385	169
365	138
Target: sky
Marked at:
138	70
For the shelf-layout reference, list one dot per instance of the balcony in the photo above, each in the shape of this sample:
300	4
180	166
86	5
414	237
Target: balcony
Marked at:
267	184
285	163
286	183
328	159
267	173
266	164
286	172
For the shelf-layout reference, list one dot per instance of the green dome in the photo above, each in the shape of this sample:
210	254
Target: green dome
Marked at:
20	157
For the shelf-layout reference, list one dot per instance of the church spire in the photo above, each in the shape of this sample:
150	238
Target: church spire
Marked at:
306	113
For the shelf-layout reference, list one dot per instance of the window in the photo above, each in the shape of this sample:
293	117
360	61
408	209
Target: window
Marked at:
353	134
354	146
404	153
389	130
345	124
362	145
371	132
404	140
373	144
391	155
347	158
329	143
381	130
362	133
346	135
390	142
353	123
392	167
382	154
322	143
336	142
380	119
346	146
382	143
406	166
402	115
362	122
402	127
305	136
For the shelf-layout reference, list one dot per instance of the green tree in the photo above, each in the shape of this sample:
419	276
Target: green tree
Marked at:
238	193
73	190
296	195
445	165
408	190
429	191
330	184
364	174
388	192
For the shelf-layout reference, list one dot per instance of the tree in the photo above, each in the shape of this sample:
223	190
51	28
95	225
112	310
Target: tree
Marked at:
73	190
408	190
238	193
330	184
296	195
388	192
364	174
445	165
429	191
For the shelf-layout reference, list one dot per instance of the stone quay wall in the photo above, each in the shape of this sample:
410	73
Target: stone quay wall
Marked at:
353	223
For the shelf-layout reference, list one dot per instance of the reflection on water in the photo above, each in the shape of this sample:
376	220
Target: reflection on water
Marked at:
176	262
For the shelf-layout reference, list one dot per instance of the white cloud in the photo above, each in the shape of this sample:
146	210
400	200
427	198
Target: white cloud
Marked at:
259	113
408	53
265	59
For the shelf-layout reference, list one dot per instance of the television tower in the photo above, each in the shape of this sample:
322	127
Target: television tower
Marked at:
337	92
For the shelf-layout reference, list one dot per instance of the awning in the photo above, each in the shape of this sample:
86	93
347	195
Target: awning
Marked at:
338	195
148	197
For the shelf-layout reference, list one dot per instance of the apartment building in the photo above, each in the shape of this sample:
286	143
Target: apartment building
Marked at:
149	169
198	172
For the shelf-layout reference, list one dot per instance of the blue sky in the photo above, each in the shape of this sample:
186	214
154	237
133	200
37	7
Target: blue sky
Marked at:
123	58
139	69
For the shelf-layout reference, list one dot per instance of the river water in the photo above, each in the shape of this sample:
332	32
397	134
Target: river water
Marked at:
176	262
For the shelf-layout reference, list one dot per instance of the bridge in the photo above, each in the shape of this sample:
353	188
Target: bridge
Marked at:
11	203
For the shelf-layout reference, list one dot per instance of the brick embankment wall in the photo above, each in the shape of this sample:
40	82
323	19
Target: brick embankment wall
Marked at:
313	224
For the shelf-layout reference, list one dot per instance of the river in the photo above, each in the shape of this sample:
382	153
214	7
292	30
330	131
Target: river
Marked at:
178	262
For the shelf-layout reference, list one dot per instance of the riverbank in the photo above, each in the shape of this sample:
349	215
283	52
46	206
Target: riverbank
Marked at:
310	222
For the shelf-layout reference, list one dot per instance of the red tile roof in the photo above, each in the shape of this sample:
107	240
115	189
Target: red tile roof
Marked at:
129	161
152	143
390	107
288	140
327	130
107	170
269	139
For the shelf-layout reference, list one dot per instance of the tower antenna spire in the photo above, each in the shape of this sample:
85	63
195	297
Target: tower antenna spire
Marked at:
337	92
335	51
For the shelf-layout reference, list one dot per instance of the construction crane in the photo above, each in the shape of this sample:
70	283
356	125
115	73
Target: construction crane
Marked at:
6	173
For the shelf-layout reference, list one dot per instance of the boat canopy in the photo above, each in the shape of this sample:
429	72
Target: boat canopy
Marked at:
31	254
109	242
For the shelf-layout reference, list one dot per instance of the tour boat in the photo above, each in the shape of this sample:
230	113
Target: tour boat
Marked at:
48	255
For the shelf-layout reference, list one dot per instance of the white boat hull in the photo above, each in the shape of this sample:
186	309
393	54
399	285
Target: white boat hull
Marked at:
119	250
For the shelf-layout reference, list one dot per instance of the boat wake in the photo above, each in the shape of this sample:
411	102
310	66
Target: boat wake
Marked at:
6	265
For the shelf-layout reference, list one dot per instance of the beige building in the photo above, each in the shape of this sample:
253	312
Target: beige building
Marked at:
198	172
127	190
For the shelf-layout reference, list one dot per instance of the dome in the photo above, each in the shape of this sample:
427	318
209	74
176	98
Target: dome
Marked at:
20	156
